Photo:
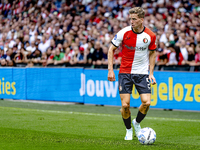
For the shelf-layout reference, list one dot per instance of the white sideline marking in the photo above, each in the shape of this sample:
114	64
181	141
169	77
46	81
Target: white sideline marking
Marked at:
96	114
172	119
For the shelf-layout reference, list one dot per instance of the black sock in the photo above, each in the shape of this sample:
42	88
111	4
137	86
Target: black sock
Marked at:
140	117
127	122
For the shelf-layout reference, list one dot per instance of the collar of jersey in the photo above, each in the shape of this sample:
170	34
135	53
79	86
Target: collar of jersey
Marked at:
139	32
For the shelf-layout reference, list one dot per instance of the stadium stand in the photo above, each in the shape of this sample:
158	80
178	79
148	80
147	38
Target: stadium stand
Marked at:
33	31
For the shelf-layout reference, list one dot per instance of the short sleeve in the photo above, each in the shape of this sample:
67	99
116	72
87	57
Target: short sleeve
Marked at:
117	40
152	45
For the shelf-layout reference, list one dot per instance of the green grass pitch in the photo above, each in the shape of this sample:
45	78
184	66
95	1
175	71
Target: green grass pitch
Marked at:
31	126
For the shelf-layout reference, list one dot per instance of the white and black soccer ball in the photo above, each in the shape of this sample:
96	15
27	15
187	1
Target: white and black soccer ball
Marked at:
147	136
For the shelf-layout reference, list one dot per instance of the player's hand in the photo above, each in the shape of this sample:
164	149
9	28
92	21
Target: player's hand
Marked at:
111	75
152	79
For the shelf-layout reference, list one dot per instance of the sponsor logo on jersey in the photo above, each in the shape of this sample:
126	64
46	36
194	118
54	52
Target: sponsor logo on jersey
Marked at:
130	47
135	48
145	40
115	37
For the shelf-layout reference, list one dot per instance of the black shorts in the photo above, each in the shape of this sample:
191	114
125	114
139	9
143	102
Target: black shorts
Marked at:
141	81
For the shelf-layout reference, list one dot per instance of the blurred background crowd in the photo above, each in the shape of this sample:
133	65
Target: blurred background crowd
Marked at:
78	32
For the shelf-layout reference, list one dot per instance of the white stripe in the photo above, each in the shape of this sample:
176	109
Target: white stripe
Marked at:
171	119
95	114
140	63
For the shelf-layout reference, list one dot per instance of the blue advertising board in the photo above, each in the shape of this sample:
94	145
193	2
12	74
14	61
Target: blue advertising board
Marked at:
174	90
12	83
98	90
19	83
7	88
56	84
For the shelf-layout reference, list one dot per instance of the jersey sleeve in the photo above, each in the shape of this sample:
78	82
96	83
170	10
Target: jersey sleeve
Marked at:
117	40
152	45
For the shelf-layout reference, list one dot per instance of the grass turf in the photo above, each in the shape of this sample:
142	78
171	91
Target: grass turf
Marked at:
58	127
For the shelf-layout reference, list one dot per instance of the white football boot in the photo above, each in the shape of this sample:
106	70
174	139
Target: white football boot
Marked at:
137	127
129	134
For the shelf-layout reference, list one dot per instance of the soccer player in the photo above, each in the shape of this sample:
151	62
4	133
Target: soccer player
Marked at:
138	59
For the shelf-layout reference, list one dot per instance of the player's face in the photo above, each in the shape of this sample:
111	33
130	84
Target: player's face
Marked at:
135	21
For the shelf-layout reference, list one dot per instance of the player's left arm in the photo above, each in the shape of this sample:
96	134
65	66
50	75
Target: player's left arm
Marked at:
152	58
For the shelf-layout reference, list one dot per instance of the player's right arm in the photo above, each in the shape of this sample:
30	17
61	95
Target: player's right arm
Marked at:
116	41
111	74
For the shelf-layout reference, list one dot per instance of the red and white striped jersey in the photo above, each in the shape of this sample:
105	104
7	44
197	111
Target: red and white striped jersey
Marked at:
197	57
7	6
1	6
135	49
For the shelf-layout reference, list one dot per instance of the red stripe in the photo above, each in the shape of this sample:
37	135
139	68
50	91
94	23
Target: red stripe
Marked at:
152	45
128	51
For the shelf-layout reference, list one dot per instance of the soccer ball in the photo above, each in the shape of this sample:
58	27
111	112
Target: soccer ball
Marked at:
147	136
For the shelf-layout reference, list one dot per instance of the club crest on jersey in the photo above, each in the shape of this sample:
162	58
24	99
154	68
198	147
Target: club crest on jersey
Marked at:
115	37
145	40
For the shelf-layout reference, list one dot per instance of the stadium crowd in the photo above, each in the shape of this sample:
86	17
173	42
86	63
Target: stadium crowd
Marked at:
78	32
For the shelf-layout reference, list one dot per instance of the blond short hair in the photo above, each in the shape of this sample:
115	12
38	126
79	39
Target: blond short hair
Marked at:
137	10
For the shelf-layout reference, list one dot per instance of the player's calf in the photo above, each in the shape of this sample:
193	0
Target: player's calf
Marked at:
144	107
125	110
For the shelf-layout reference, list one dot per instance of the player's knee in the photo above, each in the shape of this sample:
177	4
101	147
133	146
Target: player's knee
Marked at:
125	106
146	104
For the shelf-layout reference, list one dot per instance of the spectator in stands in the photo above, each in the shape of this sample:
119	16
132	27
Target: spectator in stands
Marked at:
32	47
10	56
81	57
176	37
52	44
161	58
18	43
60	46
89	56
84	43
44	45
68	55
122	13
48	52
90	47
15	49
59	57
43	60
2	55
105	56
4	62
197	55
97	55
50	59
26	40
59	39
74	59
191	56
20	56
29	63
50	23
36	56
184	52
174	57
